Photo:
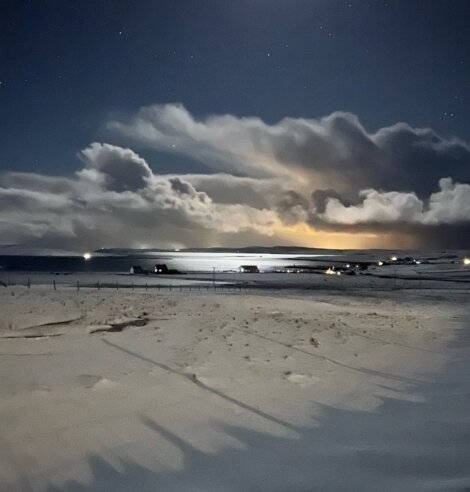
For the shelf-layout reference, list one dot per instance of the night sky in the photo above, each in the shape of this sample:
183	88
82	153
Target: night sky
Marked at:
205	123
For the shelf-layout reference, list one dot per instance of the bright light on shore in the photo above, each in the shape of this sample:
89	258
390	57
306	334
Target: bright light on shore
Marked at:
466	261
87	256
380	263
393	258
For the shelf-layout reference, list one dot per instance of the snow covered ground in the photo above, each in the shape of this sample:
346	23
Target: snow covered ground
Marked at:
325	388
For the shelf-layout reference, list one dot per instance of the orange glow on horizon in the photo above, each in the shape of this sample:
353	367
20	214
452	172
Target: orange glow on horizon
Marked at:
303	235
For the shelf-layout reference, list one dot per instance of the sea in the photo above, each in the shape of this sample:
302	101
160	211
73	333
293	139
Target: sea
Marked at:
184	262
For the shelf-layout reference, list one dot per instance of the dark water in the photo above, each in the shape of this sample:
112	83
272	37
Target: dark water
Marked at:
184	262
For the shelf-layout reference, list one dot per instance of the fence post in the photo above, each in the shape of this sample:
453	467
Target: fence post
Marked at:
53	282
98	285
145	285
78	285
29	283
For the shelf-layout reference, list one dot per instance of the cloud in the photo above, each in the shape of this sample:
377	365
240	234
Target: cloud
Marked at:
376	207
115	168
449	205
116	199
227	188
335	151
324	182
293	207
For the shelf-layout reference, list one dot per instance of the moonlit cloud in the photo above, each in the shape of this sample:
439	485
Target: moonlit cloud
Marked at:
324	182
117	200
335	151
449	205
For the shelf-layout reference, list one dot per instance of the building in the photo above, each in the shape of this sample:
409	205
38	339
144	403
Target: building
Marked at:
161	268
248	269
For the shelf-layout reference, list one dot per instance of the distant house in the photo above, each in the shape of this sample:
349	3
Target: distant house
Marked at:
248	269
162	268
136	269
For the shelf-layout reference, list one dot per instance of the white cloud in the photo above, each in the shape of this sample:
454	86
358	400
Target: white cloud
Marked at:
449	205
116	199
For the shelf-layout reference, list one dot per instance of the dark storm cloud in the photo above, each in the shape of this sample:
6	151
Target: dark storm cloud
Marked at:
417	158
117	169
181	186
320	198
293	207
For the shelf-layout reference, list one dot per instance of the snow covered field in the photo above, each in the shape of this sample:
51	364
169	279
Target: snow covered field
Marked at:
292	389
